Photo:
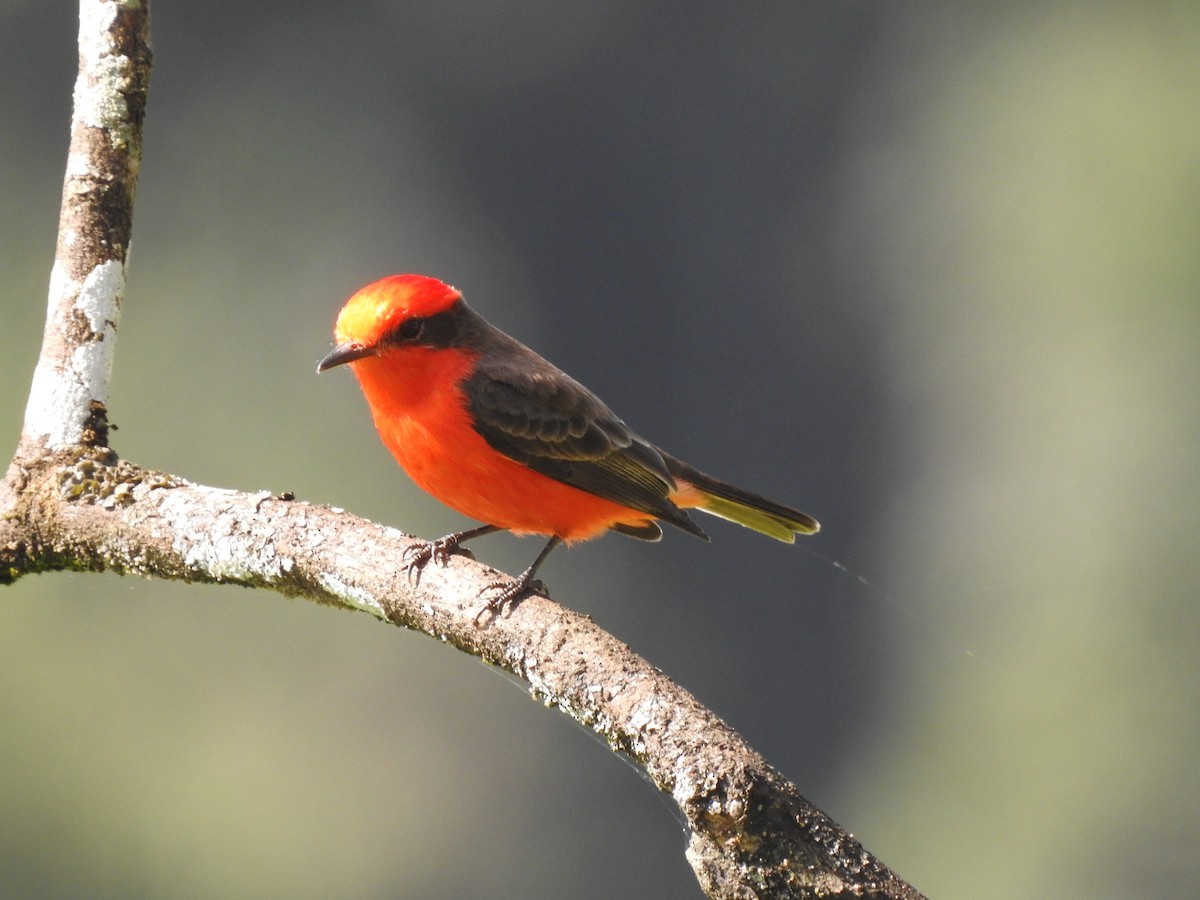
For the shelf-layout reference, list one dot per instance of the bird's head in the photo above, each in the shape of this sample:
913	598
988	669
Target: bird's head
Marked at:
392	312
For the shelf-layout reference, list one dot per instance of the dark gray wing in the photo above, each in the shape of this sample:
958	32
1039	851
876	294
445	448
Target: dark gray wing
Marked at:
532	412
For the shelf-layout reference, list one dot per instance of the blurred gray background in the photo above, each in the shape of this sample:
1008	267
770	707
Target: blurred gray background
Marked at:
929	274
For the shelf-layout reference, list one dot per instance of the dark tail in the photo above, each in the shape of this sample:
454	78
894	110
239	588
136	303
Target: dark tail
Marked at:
744	507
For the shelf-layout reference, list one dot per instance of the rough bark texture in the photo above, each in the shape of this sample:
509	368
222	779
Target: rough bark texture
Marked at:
753	835
69	502
70	385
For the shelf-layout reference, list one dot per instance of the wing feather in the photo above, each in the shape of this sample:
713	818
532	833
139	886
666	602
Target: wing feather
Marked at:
532	412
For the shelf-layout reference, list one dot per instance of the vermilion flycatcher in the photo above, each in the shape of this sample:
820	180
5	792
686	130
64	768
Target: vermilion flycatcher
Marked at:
496	432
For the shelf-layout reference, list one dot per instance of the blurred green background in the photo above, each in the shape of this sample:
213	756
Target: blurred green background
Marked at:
930	274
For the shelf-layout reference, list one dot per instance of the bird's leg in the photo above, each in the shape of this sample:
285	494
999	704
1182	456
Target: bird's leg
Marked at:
523	583
439	551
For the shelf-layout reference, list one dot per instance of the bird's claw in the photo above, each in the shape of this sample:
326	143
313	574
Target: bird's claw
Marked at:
509	593
416	557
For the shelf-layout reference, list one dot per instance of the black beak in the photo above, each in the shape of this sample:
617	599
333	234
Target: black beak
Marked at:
344	353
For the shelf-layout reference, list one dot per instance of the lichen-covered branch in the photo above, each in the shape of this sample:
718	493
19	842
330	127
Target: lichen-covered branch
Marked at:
70	385
69	502
753	834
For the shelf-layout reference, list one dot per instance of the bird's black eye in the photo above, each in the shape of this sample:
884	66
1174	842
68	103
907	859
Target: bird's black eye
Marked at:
436	331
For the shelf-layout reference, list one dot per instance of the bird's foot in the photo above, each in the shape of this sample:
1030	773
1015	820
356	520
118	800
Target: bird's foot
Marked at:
439	552
524	583
509	592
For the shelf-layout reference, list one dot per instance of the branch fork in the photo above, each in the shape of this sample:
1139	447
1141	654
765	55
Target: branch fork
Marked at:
69	502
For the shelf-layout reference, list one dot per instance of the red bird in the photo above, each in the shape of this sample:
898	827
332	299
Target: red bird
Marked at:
494	431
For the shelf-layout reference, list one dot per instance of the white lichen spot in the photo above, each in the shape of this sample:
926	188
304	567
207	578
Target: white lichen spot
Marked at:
95	20
355	596
642	718
100	298
97	99
99	102
60	396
